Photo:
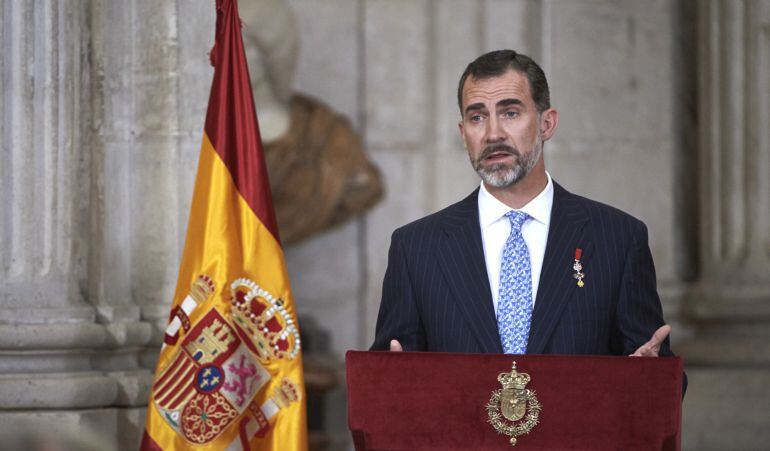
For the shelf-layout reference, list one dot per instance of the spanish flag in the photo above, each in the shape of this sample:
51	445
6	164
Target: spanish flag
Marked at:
229	375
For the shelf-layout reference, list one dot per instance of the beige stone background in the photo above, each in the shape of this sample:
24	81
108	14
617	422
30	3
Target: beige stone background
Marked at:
665	112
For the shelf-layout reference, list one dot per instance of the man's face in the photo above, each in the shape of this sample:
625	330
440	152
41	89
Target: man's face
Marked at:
501	128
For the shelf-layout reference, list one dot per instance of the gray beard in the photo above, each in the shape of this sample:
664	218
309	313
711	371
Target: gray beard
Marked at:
503	175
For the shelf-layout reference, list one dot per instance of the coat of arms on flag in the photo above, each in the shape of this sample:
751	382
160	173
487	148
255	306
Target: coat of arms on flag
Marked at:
218	369
229	375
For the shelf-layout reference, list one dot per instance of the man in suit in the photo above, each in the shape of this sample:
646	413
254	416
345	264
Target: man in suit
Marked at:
520	265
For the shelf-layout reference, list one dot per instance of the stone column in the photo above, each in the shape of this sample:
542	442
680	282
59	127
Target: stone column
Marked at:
158	221
63	361
137	223
729	358
45	320
135	218
41	166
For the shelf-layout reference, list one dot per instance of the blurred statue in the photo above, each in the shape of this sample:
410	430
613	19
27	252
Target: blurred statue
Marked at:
320	175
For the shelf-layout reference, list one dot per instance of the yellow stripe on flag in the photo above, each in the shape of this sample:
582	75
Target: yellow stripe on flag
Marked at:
234	276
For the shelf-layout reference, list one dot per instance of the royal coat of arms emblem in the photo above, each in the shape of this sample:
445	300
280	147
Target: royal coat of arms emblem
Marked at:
513	410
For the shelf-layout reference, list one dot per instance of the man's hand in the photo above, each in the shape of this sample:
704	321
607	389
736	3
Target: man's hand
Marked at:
395	346
649	349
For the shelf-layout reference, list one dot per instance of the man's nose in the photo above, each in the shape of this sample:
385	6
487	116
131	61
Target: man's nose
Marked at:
494	130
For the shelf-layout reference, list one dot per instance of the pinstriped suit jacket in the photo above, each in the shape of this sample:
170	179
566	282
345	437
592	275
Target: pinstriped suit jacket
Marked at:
436	295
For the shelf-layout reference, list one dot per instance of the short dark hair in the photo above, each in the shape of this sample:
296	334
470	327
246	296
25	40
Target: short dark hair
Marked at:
498	62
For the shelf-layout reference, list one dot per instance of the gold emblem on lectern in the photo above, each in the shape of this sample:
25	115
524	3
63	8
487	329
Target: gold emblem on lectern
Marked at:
514	410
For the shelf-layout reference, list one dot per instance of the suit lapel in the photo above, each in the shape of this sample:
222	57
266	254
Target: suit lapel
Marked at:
461	258
557	284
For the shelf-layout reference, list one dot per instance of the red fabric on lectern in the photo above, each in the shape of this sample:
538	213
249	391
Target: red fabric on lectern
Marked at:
409	401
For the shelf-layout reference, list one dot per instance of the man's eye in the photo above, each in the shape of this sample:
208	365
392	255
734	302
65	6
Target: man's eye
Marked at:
511	114
476	118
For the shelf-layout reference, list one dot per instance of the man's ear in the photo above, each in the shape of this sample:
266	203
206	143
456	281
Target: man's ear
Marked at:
462	131
549	120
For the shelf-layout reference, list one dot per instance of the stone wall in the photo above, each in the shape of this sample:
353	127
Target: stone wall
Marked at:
102	110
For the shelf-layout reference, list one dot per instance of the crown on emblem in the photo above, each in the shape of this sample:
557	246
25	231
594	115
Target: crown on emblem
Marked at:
514	379
265	320
286	393
202	288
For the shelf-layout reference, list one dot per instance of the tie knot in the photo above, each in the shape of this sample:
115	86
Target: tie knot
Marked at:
517	219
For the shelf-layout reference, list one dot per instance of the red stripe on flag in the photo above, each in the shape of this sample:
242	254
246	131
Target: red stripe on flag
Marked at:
175	383
172	370
231	120
182	366
178	392
148	444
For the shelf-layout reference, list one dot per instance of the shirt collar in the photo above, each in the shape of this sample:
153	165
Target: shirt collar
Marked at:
539	208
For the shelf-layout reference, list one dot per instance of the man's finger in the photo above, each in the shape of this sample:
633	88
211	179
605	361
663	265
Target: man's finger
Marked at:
651	348
660	335
395	346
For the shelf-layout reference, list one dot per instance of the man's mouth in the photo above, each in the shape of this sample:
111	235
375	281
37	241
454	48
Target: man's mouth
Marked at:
497	156
498	153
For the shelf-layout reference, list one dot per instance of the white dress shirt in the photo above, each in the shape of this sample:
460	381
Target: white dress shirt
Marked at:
495	228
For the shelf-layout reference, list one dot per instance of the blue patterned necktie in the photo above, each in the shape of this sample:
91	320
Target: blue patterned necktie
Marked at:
514	304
